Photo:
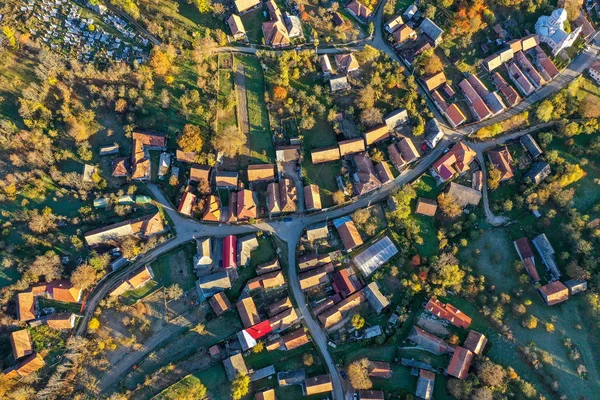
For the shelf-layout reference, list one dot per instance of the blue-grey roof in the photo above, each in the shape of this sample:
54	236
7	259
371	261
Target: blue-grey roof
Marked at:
375	255
429	28
341	221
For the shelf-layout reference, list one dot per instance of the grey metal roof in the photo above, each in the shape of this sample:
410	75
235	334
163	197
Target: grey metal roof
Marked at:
375	255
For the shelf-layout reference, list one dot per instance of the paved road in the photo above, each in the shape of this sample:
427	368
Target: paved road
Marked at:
318	335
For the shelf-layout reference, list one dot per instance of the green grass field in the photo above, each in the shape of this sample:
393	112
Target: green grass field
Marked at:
253	23
261	142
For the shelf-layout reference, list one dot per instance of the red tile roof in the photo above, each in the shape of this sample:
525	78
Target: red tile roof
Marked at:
478	106
448	312
460	363
501	160
187	203
230	252
457	160
346	282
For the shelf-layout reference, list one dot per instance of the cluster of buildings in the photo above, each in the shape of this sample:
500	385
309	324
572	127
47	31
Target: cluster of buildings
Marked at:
346	290
346	64
60	25
554	292
462	356
30	309
278	32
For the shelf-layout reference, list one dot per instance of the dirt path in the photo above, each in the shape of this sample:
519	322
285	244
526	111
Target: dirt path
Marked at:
239	80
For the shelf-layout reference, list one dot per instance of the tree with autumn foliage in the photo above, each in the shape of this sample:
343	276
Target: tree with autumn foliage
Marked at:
280	93
470	18
190	138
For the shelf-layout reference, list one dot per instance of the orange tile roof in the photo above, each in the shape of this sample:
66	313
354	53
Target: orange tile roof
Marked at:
318	384
435	81
554	293
377	134
426	207
25	306
457	160
248	312
20	341
246	206
312	197
448	312
351	146
295	339
219	303
279	306
349	235
140	277
61	320
26	367
460	363
475	342
359	9
379	369
212	210
185	156
325	154
261	172
187	203
501	160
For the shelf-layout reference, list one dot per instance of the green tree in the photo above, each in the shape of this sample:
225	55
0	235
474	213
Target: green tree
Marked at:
204	6
358	322
447	272
240	386
544	111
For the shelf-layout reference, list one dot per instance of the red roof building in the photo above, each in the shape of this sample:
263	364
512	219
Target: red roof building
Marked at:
345	282
501	160
554	293
260	330
455	161
230	252
187	203
478	107
526	254
448	312
460	363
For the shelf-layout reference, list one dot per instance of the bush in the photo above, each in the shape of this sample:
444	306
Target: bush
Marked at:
530	322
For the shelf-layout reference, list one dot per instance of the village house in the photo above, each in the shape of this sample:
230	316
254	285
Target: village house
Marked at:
235	366
594	71
510	95
283	320
374	256
576	286
348	233
249	337
339	83
519	79
534	76
229	259
212	209
268	394
543	246
279	306
246	205
237	27
429	342
61	321
317	384
403	33
394	24
425	384
186	156
245	246
136	280
143	227
312	198
210	285
432	31
200	176
325	154
20	342
275	32
491	99
460	363
502	161
346	282
186	204
25	367
325	65
59	290
375	298
479	110
426	207
359	10
346	63
434	81
261	173
121	167
315	277
408	151
268	267
529	143
143	143
243	6
267	281
396	118
554	293
379	369
226	180
219	303
203	257
317	231
339	311
383	172
248	312
371	395
288	378
456	161
527	257
475	342
411	12
295	339
463	195
448	312
311	261
452	112
544	65
365	177
376	134
538	172
351	146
